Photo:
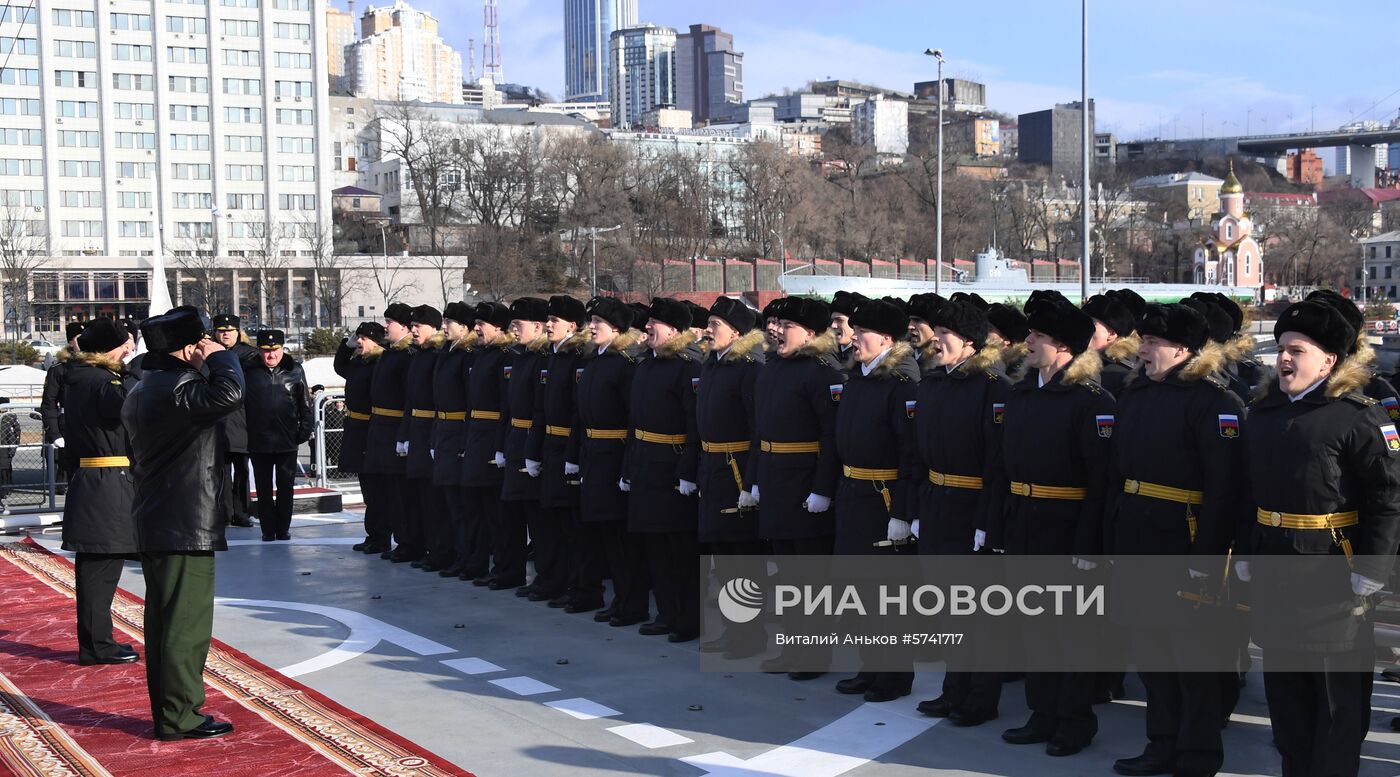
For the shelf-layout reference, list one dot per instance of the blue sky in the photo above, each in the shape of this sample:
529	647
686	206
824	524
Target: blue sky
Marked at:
1154	67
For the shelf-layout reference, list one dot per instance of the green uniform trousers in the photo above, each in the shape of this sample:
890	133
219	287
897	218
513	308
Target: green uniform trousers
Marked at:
179	625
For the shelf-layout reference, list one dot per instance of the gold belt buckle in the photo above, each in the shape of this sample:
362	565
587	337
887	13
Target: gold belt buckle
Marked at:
1276	518
1131	486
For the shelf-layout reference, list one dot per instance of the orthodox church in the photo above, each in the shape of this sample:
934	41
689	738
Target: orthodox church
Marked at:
1229	255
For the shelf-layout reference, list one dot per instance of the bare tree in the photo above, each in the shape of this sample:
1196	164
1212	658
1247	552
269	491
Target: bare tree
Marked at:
24	248
429	159
769	183
587	182
499	269
200	272
1307	248
268	264
333	279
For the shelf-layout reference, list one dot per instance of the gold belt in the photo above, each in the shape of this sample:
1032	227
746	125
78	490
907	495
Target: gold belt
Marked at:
357	416
386	411
424	414
486	415
452	415
1169	494
790	447
93	462
954	481
1298	521
1037	491
607	434
877	475
557	431
724	447
663	439
521	423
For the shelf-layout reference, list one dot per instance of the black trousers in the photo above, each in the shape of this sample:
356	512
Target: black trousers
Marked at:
379	496
748	559
673	559
550	528
508	540
95	576
606	547
1185	710
804	658
236	496
453	530
1319	718
275	516
441	526
408	531
479	513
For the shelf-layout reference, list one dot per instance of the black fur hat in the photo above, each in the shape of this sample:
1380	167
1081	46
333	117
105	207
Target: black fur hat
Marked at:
426	314
1112	313
966	319
671	312
880	316
460	312
806	312
640	313
1227	306
1218	322
1064	322
529	309
1008	321
699	316
1346	307
845	302
1132	299
73	328
972	297
493	313
1320	321
926	306
568	308
735	313
617	313
399	313
102	335
373	330
1177	323
1043	295
774	309
172	331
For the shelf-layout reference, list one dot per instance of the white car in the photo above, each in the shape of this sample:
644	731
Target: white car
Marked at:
45	348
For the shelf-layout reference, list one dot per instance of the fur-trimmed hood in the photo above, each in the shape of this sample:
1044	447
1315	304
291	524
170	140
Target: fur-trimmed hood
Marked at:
1239	348
981	361
97	360
576	343
466	342
1124	348
1210	360
822	345
503	342
436	342
63	355
403	344
743	346
1013	353
371	357
1348	377
624	341
900	359
675	344
538	344
1082	369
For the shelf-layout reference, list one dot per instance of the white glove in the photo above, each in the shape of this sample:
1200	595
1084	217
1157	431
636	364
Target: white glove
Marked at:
686	488
405	447
979	540
401	448
748	499
532	468
1242	571
914	528
1196	574
753	489
897	530
1362	585
623	485
58	443
500	460
570	468
432	453
816	503
1084	564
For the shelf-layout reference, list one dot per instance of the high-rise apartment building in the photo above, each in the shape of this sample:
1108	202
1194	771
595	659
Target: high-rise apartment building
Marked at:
709	74
1054	137
643	73
340	33
130	127
400	56
588	29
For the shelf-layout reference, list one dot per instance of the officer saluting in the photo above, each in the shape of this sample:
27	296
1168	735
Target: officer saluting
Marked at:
724	410
1055	500
1323	462
386	393
354	361
97	522
879	452
1174	490
961	400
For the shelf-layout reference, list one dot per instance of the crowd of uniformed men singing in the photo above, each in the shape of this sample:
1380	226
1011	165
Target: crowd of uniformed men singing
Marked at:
620	440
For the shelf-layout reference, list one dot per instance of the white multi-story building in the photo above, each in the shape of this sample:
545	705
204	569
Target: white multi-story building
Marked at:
882	124
588	29
643	72
131	126
400	56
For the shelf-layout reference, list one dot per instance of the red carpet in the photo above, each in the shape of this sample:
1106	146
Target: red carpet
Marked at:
103	714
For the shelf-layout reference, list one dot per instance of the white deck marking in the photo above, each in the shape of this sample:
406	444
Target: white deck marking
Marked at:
649	736
524	686
583	709
473	665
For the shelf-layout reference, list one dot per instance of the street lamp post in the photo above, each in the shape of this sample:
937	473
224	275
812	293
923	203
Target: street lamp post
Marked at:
938	193
593	233
1084	131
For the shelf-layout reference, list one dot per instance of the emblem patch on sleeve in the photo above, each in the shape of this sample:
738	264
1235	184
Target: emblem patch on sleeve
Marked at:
909	406
695	385
1392	407
1104	423
544	377
835	392
998	412
1392	438
578	374
1229	426
508	370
